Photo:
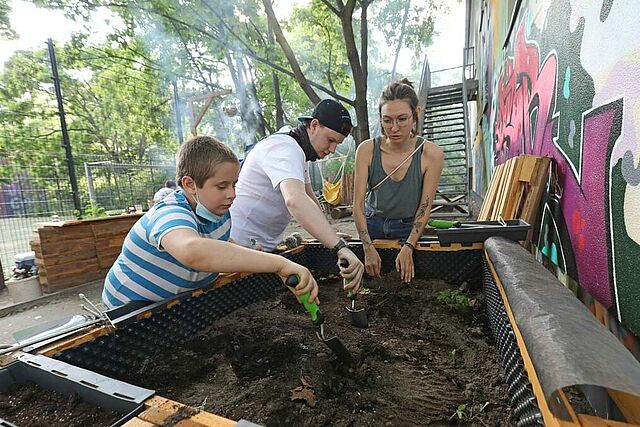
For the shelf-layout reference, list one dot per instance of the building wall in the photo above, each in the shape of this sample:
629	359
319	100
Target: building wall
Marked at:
565	83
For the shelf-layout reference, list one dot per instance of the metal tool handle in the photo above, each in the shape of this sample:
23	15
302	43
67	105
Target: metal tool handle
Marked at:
316	315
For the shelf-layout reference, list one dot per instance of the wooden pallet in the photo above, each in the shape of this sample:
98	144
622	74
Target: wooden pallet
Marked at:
516	189
70	253
159	411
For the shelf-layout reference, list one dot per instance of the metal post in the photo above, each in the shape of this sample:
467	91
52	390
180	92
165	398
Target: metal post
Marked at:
89	176
176	102
425	86
465	108
63	126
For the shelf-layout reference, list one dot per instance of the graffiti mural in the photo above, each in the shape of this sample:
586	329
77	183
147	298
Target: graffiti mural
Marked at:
559	92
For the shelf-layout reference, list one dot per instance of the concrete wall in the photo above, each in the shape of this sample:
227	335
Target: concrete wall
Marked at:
562	79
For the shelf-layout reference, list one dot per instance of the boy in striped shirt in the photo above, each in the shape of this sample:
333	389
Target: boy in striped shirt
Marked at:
181	243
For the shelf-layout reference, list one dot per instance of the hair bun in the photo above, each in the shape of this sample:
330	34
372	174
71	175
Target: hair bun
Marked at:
407	82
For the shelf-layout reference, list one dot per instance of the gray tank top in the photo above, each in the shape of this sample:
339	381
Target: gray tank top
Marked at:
395	200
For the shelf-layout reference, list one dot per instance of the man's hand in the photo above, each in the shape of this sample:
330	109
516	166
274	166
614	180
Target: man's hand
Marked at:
306	281
353	272
404	264
372	261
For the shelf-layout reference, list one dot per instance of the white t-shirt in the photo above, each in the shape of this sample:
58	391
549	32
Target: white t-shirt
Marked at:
259	211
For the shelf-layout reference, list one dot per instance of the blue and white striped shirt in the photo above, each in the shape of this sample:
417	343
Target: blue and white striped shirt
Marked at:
146	272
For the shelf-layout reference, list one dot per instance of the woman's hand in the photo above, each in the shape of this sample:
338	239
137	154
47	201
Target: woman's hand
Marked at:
372	261
404	264
306	282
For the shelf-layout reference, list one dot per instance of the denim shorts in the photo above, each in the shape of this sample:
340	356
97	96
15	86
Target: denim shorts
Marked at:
387	228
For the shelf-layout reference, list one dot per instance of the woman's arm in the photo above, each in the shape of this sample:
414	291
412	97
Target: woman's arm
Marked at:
433	158
372	261
364	154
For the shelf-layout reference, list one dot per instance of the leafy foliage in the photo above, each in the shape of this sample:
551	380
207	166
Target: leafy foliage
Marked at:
91	210
6	32
454	298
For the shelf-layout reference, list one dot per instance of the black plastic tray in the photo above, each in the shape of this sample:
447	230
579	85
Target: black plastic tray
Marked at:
96	389
479	231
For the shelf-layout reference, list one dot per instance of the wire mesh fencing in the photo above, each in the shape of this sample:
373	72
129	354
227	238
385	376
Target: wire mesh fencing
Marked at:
35	187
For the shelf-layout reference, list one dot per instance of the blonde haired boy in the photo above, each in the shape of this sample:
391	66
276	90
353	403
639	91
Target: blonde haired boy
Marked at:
181	243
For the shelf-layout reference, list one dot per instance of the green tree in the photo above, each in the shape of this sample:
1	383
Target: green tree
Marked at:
6	32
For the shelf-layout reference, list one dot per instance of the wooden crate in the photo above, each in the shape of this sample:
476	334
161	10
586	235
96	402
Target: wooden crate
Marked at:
516	189
71	253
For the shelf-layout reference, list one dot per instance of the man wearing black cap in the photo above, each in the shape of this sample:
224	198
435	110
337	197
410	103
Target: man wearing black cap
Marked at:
274	185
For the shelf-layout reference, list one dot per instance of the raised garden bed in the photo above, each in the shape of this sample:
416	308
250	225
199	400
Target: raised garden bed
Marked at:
36	390
30	405
426	358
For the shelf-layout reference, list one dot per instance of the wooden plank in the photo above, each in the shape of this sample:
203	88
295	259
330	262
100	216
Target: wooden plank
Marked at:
72	269
628	404
160	408
511	190
64	247
502	190
155	415
537	186
207	419
72	257
114	227
591	421
489	200
74	341
56	234
137	422
528	165
500	171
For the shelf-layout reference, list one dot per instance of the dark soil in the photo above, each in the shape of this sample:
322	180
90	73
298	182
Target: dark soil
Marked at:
420	362
29	405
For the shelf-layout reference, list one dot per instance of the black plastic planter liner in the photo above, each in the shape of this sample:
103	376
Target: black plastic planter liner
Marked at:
93	388
515	229
567	345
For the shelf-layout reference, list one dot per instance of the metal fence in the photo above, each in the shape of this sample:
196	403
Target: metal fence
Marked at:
35	188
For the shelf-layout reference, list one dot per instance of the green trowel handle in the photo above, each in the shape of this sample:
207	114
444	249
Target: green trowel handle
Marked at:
316	316
443	223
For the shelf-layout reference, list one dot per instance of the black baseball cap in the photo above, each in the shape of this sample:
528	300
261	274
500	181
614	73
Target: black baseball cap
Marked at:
331	114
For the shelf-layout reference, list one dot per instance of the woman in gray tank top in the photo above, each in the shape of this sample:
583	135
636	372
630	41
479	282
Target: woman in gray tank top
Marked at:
396	177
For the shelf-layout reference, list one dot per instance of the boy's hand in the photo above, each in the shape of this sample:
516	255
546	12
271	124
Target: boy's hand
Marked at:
306	281
353	272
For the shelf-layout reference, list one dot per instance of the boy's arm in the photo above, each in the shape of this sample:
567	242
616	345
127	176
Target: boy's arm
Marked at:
219	256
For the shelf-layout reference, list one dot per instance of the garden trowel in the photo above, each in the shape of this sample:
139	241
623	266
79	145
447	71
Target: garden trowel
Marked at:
358	315
338	348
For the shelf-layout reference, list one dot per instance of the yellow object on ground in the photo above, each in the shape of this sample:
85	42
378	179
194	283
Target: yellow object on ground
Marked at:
331	192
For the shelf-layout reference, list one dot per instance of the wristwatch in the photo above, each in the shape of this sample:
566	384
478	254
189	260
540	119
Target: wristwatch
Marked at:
341	244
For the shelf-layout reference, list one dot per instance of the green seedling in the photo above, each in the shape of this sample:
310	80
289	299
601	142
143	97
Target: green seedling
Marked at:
454	298
460	413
